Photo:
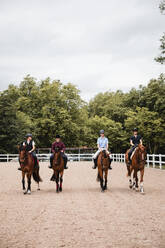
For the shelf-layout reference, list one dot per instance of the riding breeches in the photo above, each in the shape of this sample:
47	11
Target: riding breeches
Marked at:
131	151
95	156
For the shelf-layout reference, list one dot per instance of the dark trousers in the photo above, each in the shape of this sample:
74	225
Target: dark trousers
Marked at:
63	156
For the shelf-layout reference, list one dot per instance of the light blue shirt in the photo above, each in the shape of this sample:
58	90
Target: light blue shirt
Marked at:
102	142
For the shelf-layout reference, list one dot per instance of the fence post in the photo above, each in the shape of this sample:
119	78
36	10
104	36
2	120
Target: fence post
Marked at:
160	161
7	157
153	159
148	161
124	158
79	159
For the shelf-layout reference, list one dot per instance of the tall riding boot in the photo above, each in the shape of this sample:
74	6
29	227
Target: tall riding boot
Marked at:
95	163
65	163
51	164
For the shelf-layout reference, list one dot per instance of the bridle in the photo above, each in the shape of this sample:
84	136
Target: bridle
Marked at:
105	156
57	151
142	154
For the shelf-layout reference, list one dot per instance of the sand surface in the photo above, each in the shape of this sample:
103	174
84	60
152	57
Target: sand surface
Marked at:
81	216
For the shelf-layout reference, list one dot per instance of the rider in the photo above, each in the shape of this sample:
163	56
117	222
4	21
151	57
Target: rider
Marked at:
102	144
58	144
135	140
30	148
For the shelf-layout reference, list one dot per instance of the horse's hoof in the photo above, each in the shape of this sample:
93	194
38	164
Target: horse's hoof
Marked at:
142	191
136	189
38	189
130	186
25	192
60	189
29	192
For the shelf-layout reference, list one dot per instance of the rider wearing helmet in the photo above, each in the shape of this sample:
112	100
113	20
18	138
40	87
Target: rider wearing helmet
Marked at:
135	140
102	144
58	144
30	148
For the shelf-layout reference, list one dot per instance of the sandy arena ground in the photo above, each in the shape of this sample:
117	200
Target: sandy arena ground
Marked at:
81	216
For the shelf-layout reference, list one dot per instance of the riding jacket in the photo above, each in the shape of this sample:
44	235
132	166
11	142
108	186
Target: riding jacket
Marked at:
29	145
136	139
59	145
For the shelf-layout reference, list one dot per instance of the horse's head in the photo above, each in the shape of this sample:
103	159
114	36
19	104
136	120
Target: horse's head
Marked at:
57	156
104	156
22	153
142	152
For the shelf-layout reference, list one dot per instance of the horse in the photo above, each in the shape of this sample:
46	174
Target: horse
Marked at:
27	166
138	164
58	168
103	164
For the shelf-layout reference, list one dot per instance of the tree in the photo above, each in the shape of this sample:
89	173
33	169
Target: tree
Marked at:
161	57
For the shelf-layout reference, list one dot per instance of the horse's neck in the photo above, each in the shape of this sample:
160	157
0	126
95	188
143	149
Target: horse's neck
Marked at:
136	154
28	158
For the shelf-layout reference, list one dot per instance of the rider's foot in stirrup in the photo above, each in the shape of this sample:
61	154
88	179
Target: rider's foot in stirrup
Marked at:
110	168
19	168
94	167
65	167
50	166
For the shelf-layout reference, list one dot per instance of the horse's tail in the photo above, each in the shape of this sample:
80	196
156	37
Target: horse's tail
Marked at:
36	176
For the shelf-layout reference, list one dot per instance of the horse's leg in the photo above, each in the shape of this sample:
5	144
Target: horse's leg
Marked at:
61	181
101	179
23	181
134	180
98	177
141	181
57	182
29	184
129	168
106	176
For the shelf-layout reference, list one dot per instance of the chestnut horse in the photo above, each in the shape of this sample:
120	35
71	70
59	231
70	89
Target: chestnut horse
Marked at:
138	164
27	166
58	168
103	164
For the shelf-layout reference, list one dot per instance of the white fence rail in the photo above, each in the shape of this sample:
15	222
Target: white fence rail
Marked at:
153	160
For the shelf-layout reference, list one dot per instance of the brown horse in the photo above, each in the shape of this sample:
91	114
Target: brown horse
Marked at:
27	166
103	164
58	168
138	164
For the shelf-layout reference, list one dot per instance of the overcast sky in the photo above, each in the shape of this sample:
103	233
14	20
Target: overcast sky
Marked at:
97	45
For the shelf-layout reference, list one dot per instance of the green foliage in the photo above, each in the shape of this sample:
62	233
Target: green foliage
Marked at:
48	107
161	58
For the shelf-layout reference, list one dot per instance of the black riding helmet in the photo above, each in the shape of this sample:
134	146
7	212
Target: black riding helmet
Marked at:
135	129
58	136
28	135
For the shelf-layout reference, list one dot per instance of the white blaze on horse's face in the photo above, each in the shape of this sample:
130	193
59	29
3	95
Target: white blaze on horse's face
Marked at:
142	156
